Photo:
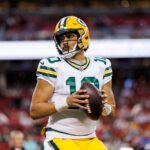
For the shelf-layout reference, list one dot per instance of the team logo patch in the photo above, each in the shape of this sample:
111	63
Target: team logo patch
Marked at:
42	63
81	68
81	22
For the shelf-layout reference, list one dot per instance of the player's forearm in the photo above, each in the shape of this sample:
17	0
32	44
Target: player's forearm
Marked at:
40	110
111	101
110	106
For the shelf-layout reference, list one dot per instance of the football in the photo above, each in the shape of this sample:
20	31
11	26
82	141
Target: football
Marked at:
95	104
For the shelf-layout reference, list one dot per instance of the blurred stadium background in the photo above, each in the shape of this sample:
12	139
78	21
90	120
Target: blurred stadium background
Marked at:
31	20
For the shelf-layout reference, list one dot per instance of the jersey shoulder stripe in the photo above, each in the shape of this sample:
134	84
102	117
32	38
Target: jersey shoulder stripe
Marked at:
108	69
108	72
47	71
106	65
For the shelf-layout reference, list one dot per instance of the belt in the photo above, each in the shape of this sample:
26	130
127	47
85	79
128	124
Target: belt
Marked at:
48	129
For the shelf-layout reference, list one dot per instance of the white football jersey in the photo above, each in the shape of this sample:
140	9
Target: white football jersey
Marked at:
67	76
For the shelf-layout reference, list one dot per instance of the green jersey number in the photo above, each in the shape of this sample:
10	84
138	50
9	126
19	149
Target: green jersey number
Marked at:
71	81
54	59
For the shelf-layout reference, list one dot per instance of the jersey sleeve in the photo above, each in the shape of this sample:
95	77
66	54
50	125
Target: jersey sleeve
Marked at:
107	76
46	72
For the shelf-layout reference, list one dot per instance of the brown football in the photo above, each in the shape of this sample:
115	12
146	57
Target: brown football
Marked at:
95	104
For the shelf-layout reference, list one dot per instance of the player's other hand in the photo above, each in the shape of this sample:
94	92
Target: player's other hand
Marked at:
107	108
78	99
103	96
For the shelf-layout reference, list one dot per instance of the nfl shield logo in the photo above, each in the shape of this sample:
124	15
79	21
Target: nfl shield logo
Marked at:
81	68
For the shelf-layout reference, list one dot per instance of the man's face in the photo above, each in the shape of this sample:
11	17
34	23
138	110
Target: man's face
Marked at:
68	41
18	140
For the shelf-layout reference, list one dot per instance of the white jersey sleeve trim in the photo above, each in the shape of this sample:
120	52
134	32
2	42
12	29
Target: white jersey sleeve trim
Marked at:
106	81
51	83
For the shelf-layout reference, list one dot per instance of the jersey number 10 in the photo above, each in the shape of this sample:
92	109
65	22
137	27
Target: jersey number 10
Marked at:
71	81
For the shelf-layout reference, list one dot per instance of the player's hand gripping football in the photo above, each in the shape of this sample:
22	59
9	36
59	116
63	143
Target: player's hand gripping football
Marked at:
78	99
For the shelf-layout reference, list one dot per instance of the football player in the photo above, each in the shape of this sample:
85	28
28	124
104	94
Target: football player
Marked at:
57	93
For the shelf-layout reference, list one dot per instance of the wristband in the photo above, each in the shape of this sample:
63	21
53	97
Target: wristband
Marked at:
61	105
107	109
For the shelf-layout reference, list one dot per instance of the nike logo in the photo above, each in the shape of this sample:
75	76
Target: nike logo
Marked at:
42	63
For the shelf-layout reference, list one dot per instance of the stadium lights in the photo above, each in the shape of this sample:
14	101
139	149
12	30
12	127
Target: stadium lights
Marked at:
117	48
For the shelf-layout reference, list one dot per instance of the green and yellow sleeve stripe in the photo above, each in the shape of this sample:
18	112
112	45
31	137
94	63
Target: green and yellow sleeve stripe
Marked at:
108	72
46	71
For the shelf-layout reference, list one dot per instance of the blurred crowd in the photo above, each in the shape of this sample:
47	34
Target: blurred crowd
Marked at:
28	26
129	128
25	20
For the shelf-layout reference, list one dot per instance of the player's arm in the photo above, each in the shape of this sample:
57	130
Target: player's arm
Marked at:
40	107
108	98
